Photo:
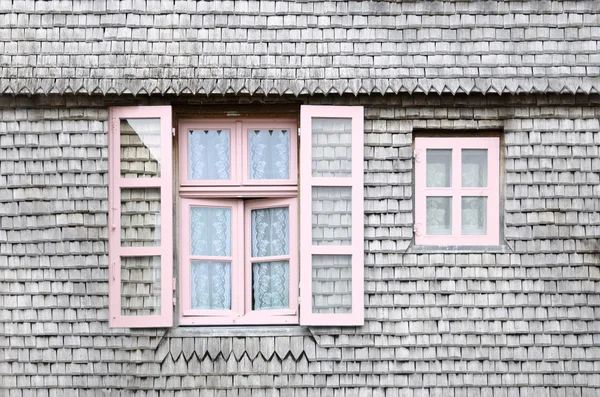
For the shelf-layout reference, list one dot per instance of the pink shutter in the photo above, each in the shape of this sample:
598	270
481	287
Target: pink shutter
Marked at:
331	215
140	224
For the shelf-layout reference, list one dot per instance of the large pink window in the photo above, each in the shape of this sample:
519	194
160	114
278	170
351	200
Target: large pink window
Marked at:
238	222
251	248
457	191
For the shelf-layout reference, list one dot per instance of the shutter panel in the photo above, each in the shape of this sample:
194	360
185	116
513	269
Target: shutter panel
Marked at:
331	215
140	224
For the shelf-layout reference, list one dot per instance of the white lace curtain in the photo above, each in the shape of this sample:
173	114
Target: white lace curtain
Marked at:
270	237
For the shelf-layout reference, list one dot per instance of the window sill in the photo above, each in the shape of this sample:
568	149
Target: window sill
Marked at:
459	249
239	331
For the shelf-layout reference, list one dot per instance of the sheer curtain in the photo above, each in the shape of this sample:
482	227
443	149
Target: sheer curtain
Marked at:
209	155
270	237
211	236
269	154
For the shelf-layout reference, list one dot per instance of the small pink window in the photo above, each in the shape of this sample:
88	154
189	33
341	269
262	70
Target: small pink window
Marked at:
457	191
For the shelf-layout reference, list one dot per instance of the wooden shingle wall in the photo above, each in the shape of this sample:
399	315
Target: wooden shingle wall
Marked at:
516	324
298	47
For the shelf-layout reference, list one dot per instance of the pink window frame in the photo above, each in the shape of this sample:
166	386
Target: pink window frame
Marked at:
356	249
241	312
280	316
165	250
240	185
234	155
238	192
456	191
188	315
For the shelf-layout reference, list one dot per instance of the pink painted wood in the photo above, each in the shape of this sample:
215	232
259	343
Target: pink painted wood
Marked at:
225	193
188	315
239	156
280	316
241	265
356	249
456	191
235	150
270	125
165	250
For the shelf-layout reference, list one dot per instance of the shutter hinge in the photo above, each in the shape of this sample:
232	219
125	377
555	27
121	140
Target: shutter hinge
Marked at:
174	288
417	229
298	132
417	155
174	131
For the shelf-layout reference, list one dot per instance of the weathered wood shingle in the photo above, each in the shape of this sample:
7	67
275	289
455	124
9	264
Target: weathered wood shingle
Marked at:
520	323
299	47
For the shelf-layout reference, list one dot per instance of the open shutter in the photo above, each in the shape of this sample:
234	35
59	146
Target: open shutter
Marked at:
140	224
331	215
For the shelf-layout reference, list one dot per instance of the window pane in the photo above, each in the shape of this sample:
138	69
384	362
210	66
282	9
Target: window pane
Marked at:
331	147
332	215
140	148
210	231
270	232
140	217
211	285
474	167
209	155
269	154
140	285
331	284
270	285
439	215
474	215
439	167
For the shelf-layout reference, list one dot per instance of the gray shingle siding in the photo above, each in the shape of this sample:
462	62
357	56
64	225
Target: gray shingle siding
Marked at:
299	47
516	324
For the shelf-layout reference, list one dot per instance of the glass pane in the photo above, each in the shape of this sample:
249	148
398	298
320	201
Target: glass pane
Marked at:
270	232
474	215
210	231
439	215
270	285
269	154
331	147
439	167
209	155
140	285
332	215
140	217
211	285
140	148
474	167
332	284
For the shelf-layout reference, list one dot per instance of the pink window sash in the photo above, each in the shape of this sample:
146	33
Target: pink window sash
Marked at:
277	316
356	249
189	316
241	298
165	250
274	124
239	155
234	155
492	144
